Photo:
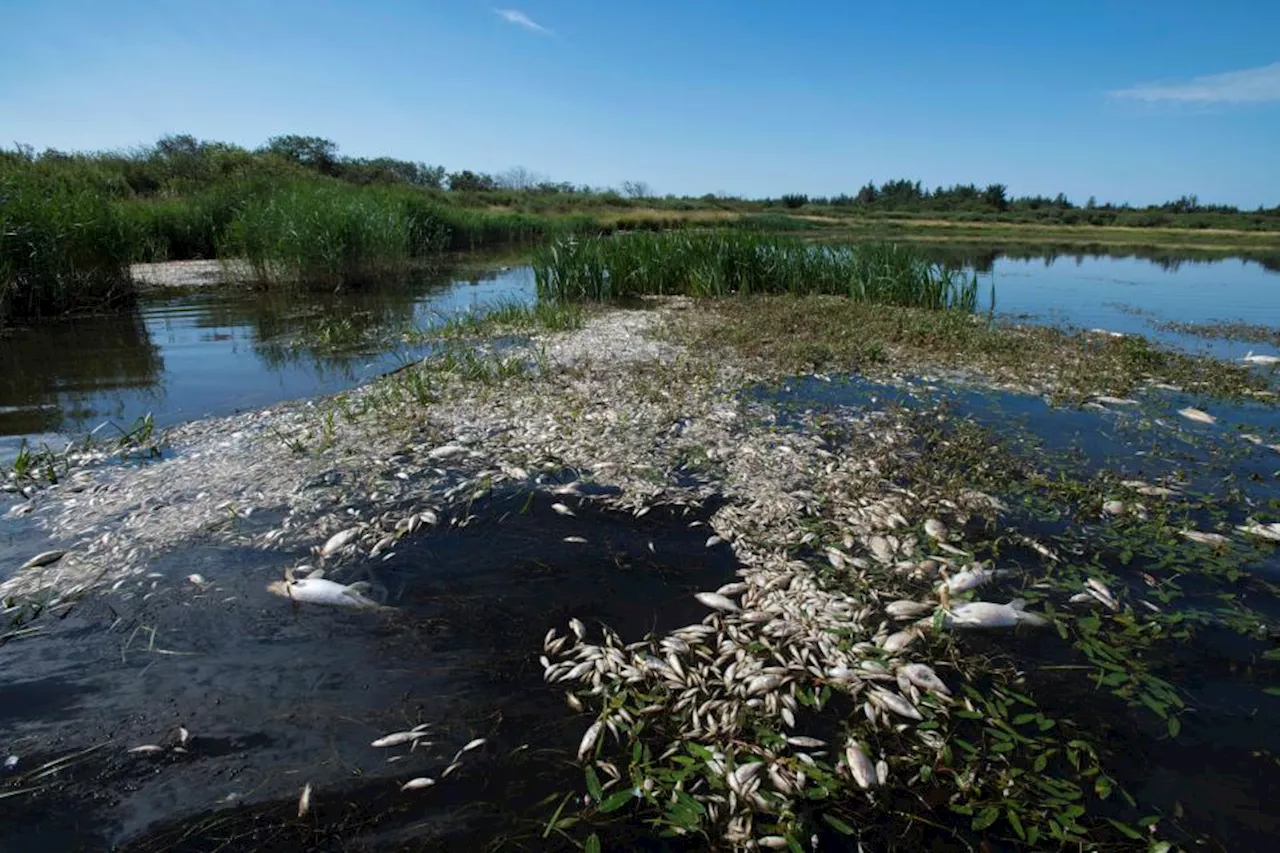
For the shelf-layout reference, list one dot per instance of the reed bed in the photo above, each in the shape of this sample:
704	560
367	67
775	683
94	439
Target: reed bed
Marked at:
64	245
724	263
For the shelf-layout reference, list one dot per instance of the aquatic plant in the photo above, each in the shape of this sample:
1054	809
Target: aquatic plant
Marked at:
721	263
64	245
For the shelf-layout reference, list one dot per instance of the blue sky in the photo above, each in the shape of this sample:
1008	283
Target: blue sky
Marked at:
1127	100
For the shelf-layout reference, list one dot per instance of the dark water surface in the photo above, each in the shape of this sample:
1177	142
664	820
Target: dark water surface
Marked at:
274	699
219	351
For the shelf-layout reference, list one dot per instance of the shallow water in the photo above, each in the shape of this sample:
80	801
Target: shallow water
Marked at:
1215	772
216	352
276	698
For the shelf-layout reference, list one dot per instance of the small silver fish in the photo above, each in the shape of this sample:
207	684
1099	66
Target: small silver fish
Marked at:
313	590
304	801
44	558
415	784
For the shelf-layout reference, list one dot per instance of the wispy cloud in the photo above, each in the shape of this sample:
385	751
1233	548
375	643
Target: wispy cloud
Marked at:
520	19
1252	85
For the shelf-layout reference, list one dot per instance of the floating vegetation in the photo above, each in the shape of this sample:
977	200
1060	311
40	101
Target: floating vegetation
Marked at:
728	263
820	333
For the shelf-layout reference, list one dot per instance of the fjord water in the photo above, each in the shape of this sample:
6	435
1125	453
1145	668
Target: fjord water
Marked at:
212	352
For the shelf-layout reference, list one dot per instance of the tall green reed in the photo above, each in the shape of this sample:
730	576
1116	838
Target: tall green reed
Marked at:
64	244
722	263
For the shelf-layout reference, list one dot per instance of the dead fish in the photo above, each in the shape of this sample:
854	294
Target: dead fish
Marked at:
1113	507
864	772
971	579
304	801
923	676
338	541
988	614
713	541
1114	401
1193	414
313	590
905	608
196	579
562	509
44	558
806	742
1100	591
415	784
589	739
1264	531
446	451
147	749
11	763
397	738
576	540
716	601
475	744
934	528
1261	358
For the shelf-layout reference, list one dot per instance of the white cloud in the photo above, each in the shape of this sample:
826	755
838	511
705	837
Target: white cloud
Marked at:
1252	85
520	19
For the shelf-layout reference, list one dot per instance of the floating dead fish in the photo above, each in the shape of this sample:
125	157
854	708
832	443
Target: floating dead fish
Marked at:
397	738
1113	507
304	801
934	528
1205	538
863	770
575	540
589	739
11	763
44	558
907	609
923	676
1263	531
418	783
972	579
716	601
713	541
987	614
562	509
1100	591
1114	401
447	451
313	590
1261	358
339	540
196	579
147	749
1193	414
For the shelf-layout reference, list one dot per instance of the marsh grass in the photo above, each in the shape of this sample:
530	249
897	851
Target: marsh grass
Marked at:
64	245
725	263
798	334
510	316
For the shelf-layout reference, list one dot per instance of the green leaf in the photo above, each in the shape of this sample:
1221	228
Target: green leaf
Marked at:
616	800
1102	787
592	845
1016	823
837	824
986	817
593	785
1175	726
1125	829
1272	691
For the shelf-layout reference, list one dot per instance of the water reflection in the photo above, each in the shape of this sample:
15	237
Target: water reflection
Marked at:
215	352
70	371
983	258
